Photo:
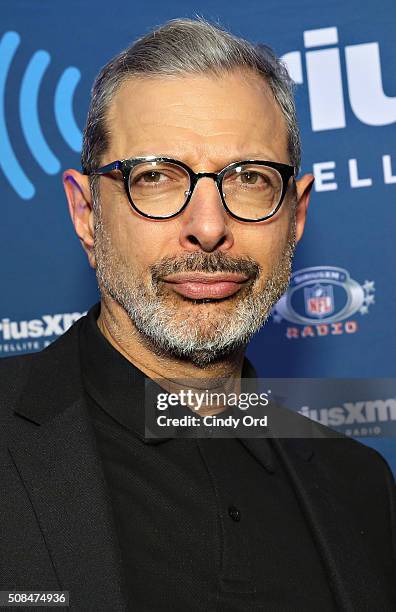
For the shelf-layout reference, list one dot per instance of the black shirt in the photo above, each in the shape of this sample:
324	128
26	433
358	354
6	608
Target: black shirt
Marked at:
202	525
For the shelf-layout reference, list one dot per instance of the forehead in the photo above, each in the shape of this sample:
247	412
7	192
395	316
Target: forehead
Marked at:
197	118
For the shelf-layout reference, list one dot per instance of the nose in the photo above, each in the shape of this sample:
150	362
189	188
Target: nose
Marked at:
205	224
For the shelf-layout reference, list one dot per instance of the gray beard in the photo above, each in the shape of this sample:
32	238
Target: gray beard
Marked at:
205	334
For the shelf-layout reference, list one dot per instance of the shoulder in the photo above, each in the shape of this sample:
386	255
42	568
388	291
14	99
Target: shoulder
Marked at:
357	460
13	372
360	478
343	462
16	371
344	454
365	481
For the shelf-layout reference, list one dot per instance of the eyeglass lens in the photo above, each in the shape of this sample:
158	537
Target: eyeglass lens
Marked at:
160	189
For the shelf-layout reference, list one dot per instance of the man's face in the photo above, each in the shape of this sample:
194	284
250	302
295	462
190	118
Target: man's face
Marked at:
207	122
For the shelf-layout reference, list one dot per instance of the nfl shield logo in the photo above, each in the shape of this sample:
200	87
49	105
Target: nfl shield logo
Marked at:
319	300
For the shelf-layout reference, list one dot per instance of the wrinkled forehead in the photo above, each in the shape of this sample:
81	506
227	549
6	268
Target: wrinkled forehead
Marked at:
197	115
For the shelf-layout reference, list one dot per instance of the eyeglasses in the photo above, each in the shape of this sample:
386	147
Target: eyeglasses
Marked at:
161	187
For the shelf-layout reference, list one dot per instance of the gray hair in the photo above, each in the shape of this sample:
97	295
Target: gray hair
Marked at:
180	47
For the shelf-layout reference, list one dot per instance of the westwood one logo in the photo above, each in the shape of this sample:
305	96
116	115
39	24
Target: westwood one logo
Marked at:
323	67
34	334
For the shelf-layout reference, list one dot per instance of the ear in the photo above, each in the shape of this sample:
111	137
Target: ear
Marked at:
303	188
79	198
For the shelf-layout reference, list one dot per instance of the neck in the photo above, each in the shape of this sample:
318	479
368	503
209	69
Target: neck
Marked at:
166	370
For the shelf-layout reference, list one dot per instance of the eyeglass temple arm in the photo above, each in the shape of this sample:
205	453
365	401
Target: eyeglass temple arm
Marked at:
105	169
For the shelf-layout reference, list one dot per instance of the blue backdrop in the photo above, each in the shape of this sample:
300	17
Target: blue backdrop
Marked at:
337	318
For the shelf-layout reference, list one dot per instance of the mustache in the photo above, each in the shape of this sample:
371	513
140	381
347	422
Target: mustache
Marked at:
204	262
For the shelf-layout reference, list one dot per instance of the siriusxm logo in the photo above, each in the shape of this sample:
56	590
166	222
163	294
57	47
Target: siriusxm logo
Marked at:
351	413
29	115
45	327
322	63
368	101
357	418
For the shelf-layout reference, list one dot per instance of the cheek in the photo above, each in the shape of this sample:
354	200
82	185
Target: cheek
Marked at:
141	242
265	243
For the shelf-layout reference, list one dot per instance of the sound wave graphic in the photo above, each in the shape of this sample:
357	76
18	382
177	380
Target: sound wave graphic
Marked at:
28	113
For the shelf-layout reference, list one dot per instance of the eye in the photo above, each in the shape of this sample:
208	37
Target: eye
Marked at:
249	177
150	177
255	179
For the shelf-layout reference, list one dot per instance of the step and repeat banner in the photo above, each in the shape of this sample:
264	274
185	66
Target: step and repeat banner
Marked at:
337	318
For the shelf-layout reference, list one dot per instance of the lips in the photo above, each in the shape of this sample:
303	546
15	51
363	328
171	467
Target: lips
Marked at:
199	286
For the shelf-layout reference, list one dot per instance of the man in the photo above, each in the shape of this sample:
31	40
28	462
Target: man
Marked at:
189	210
